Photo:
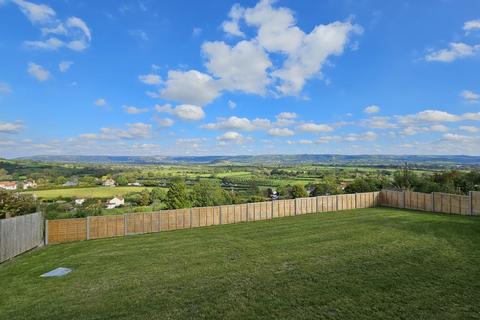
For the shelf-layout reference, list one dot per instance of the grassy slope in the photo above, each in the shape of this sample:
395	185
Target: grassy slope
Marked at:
91	192
363	264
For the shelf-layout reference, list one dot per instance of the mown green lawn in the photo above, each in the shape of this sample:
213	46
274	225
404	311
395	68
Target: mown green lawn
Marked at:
89	192
360	264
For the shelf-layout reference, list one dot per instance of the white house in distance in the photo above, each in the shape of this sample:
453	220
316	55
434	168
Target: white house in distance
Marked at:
109	183
135	184
79	201
29	184
8	185
115	202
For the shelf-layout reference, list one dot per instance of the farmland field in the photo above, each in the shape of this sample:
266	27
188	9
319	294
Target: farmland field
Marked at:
90	192
361	264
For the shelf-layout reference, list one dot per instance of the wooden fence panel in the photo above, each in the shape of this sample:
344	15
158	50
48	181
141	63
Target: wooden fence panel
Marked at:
106	226
475	202
67	230
20	234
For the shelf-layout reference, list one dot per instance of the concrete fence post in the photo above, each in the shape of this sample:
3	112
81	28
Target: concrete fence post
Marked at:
88	227
46	232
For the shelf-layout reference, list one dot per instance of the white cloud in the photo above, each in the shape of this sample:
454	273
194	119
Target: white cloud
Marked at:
280	132
183	111
231	137
36	13
439	128
151	79
164	122
378	123
286	116
367	136
64	66
429	116
196	31
49	44
100	102
5	88
470	129
236	123
38	72
10	127
134	110
231	26
242	67
138	130
372	109
470	96
471	25
231	104
190	87
140	34
453	137
456	51
313	127
410	131
74	22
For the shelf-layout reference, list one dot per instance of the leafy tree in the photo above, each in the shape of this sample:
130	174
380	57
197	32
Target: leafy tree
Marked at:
91	207
405	179
177	195
60	180
325	187
365	184
208	193
15	204
158	195
144	198
122	181
298	191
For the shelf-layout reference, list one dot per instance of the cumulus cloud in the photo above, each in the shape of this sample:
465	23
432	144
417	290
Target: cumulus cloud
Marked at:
470	96
138	130
367	136
163	122
286	116
36	13
236	123
471	25
190	87
280	132
231	137
429	116
231	104
470	129
151	79
183	111
372	109
134	110
11	127
378	123
64	66
438	128
38	72
242	67
313	127
231	26
456	50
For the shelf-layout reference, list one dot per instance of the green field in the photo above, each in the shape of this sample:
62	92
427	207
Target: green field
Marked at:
360	264
91	192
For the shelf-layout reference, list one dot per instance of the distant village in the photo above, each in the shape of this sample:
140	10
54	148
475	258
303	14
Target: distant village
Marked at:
113	203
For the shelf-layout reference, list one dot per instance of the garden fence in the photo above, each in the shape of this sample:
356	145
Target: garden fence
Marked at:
20	234
96	227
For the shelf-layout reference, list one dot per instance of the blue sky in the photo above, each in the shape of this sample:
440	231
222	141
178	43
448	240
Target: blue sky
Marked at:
250	77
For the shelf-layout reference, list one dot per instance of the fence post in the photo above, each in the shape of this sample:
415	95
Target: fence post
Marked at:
246	210
272	210
191	216
355	207
403	194
46	232
295	206
88	227
221	215
125	224
336	203
470	202
433	201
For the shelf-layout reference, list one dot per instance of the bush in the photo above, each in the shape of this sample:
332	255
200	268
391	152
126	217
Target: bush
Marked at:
15	204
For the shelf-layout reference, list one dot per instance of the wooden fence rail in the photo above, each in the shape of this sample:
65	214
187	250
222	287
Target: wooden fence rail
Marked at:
20	234
97	227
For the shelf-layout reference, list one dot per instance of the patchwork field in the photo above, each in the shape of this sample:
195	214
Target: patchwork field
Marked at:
92	192
361	264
